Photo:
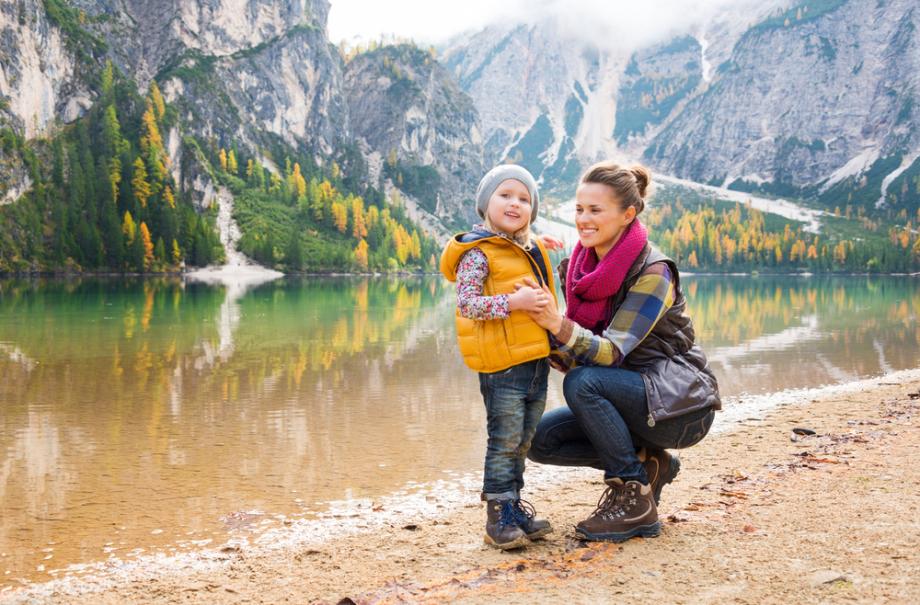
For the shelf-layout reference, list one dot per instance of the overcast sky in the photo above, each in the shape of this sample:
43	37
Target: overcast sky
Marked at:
628	22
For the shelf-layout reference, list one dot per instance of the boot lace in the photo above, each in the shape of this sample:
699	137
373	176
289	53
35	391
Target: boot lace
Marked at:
524	511
509	514
614	501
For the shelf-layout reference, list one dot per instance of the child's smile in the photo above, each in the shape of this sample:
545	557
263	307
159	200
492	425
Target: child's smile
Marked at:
510	207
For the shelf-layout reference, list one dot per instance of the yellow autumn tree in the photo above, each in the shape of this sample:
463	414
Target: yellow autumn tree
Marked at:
373	217
148	245
157	99
128	227
169	197
416	250
139	184
361	254
115	177
152	143
231	163
403	244
296	182
340	216
223	159
359	227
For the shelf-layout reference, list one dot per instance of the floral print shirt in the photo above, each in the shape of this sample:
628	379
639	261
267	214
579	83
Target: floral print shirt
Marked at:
471	276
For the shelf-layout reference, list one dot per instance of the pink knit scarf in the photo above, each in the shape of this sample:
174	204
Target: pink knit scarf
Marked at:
590	285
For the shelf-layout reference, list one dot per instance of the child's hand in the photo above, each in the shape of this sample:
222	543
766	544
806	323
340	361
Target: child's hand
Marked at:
551	242
527	299
548	316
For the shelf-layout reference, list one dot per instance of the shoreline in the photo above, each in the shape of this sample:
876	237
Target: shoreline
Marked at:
189	274
369	538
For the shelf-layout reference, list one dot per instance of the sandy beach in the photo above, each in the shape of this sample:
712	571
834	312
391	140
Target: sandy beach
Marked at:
758	514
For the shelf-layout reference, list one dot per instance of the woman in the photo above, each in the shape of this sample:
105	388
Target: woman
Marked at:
636	383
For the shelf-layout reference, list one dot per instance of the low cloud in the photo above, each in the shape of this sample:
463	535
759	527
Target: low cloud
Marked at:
615	24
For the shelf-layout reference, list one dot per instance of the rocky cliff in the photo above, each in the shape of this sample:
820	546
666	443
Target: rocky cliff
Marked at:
419	129
544	101
40	77
809	99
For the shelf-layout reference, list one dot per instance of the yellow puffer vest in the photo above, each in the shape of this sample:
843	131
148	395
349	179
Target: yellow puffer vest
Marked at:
494	345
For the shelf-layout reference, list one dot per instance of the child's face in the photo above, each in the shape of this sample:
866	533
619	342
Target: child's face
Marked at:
509	207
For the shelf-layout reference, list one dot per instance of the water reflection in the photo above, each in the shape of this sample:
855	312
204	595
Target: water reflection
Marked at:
141	414
764	334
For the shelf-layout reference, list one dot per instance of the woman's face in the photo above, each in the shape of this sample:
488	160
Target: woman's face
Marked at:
599	217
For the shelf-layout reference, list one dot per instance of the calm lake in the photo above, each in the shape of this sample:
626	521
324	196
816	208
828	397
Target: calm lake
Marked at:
154	415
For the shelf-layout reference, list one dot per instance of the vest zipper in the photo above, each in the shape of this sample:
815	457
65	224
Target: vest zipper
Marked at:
651	421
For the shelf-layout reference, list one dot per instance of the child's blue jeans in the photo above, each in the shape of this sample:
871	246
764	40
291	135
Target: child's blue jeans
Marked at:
515	399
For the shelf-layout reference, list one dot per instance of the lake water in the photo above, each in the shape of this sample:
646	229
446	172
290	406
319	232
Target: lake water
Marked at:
154	415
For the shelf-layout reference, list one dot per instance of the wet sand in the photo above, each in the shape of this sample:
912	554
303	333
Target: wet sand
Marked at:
756	516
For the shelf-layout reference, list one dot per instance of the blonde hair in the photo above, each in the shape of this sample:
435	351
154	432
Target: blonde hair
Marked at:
629	185
523	236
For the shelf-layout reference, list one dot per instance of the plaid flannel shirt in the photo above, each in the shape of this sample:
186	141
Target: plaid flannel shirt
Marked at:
649	298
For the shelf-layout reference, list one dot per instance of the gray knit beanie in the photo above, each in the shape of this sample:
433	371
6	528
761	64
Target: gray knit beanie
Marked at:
496	177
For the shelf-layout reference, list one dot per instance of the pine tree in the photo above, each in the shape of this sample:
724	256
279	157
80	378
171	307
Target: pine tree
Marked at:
112	142
159	251
136	254
108	83
293	256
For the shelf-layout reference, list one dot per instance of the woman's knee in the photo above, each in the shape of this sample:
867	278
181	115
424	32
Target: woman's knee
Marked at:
553	428
540	447
578	385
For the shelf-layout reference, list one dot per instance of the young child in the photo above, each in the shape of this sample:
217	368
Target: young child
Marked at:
500	341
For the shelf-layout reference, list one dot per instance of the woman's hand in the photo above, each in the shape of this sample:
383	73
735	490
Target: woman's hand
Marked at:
548	316
551	243
528	298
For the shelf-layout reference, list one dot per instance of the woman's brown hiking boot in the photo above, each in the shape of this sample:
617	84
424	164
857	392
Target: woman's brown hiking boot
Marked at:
661	468
502	530
624	511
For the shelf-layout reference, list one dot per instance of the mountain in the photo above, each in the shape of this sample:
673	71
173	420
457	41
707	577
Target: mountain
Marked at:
336	159
417	128
817	100
809	103
257	80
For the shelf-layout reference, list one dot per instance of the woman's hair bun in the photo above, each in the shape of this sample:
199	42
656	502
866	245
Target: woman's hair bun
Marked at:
643	179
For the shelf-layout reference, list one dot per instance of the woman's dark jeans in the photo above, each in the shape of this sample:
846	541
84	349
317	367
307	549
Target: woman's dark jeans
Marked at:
606	420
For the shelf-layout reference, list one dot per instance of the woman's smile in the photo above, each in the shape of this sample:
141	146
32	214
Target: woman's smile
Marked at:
599	218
